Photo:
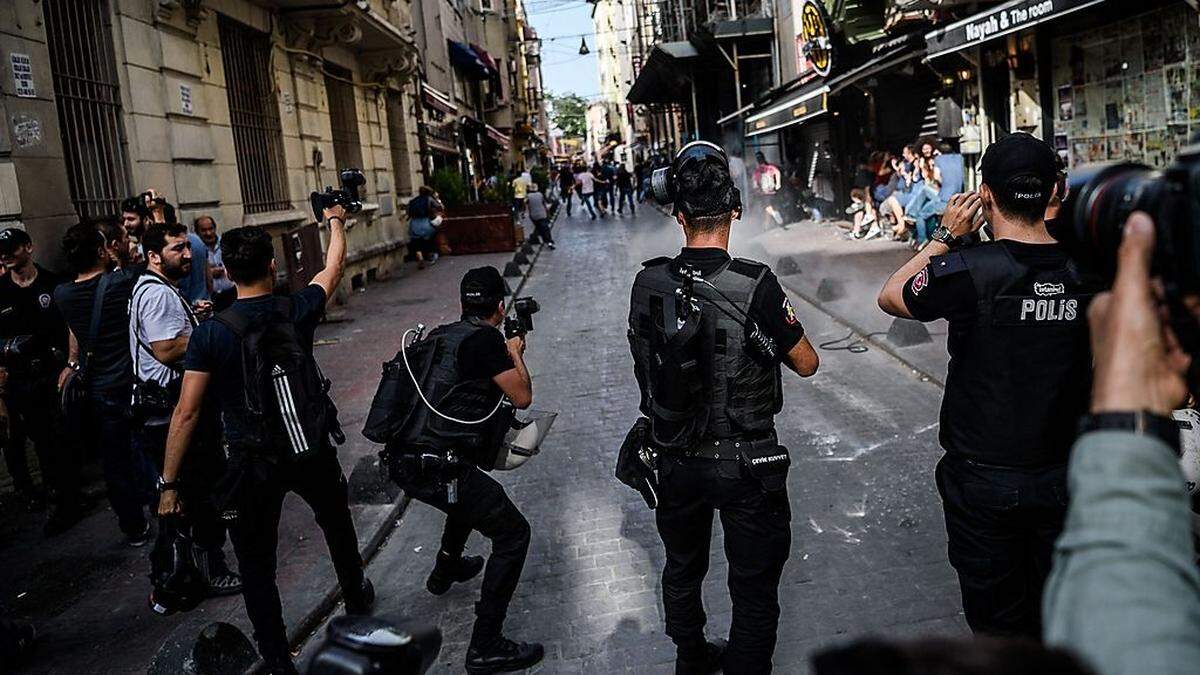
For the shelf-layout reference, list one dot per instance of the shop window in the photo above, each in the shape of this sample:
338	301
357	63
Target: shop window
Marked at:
343	117
254	117
87	95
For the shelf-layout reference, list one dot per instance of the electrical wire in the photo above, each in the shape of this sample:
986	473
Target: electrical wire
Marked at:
854	346
404	355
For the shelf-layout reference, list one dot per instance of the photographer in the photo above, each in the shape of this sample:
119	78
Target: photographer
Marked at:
481	367
96	309
1019	374
28	399
160	325
255	356
1125	593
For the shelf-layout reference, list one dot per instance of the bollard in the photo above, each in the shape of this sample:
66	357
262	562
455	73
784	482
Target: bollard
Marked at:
520	258
219	649
787	266
906	333
830	289
512	269
370	484
527	247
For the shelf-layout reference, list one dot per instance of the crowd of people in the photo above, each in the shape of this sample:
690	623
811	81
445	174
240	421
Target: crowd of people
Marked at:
603	188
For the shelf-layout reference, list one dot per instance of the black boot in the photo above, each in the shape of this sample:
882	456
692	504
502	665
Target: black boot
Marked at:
501	655
448	572
362	601
701	660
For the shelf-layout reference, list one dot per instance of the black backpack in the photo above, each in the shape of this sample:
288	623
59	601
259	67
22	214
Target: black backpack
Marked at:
288	410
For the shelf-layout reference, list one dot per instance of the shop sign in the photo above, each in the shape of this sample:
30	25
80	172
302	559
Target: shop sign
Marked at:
1007	18
814	49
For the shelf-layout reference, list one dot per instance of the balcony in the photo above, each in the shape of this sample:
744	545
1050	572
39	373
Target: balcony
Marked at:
365	26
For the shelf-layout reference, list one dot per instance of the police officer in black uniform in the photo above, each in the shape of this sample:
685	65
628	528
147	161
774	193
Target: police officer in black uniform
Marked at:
1019	379
708	333
30	393
437	457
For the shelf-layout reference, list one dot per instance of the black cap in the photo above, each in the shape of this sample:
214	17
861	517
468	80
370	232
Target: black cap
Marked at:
482	285
1020	155
12	239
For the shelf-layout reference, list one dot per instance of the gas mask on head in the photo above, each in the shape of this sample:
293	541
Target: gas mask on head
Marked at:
665	182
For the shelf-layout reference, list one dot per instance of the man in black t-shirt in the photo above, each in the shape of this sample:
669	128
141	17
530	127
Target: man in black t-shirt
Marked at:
30	392
258	477
105	360
1018	380
707	357
483	368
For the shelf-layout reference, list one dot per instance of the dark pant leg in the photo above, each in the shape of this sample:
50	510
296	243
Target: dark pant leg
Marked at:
484	506
1045	513
197	476
758	538
321	483
542	226
255	536
684	518
987	547
16	458
127	473
38	411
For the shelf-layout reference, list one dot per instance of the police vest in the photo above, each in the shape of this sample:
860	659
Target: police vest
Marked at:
1020	370
455	397
739	396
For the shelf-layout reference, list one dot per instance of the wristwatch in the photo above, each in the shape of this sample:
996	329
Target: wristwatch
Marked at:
942	234
164	485
1141	422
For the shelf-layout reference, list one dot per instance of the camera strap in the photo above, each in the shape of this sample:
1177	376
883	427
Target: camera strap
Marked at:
94	327
135	310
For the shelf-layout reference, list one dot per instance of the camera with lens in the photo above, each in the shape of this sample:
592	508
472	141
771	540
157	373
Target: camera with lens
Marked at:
347	196
522	320
16	352
140	204
367	645
1101	197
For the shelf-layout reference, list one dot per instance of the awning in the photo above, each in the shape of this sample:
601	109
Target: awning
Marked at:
885	54
437	100
663	79
999	21
496	135
462	56
485	57
805	104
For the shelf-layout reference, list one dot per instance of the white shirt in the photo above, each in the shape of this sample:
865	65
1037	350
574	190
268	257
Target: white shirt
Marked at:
157	312
214	260
587	182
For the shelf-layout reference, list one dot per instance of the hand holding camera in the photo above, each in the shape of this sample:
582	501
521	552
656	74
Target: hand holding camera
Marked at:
326	204
522	321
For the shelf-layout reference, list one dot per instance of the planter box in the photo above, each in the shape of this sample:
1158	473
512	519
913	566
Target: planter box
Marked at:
479	228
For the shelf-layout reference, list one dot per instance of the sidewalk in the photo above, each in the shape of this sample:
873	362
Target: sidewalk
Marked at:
86	590
842	277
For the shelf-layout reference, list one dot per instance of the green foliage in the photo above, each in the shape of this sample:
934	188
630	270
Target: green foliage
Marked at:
501	193
450	187
569	112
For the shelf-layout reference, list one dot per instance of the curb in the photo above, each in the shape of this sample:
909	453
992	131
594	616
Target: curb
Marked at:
306	628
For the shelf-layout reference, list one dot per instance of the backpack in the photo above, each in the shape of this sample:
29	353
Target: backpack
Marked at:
288	412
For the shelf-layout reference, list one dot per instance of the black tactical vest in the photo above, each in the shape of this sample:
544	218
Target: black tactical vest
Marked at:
1021	370
444	387
741	396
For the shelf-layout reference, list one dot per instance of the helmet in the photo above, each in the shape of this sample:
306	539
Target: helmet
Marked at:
664	182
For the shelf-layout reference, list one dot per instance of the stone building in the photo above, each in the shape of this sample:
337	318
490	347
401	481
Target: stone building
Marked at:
232	108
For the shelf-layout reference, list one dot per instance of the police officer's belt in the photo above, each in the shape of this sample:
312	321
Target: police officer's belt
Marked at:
726	448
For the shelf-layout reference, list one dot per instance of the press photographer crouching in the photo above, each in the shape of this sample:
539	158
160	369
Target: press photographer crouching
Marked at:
279	423
33	351
161	322
464	408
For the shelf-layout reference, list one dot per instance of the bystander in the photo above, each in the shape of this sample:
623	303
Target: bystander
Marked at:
223	292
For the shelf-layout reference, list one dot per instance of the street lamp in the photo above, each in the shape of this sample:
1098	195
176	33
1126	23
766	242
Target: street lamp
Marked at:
583	48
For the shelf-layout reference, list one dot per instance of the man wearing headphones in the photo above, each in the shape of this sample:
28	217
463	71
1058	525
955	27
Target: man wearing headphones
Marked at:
428	458
708	334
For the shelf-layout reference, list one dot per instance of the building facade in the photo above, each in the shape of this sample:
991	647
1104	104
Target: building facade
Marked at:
229	108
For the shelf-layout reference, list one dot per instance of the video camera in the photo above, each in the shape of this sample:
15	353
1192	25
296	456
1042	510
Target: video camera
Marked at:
1100	198
522	322
347	197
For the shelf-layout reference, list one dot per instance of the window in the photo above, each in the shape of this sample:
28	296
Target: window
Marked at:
87	95
343	117
254	117
398	134
487	5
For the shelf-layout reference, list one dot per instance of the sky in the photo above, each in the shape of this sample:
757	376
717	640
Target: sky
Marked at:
563	69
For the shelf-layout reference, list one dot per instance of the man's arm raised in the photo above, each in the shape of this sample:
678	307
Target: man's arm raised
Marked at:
335	257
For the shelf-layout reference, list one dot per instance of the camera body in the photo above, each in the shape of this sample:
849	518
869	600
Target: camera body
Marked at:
522	320
366	645
1100	199
138	203
16	352
347	196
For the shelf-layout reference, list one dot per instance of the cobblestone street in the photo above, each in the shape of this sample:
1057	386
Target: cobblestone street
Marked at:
868	551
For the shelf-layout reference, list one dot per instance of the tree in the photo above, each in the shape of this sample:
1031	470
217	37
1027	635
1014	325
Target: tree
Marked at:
569	113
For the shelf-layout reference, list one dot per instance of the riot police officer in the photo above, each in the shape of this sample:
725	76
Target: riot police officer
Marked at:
473	375
1018	381
708	333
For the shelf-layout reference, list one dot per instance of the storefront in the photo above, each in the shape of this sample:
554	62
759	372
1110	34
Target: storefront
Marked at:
439	131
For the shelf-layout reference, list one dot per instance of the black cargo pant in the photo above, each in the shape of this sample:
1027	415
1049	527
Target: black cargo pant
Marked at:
482	505
33	412
758	539
1001	525
259	501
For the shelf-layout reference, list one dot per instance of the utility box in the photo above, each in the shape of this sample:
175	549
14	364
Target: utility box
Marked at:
302	250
